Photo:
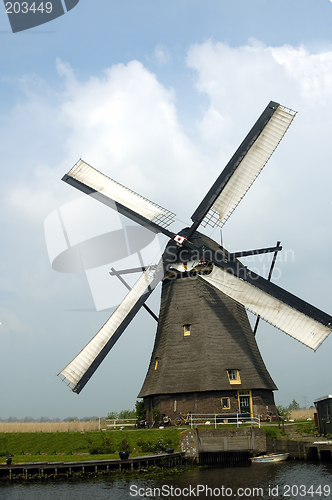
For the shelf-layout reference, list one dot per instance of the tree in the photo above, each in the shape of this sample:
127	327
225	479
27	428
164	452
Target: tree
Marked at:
112	415
294	405
127	414
283	412
140	411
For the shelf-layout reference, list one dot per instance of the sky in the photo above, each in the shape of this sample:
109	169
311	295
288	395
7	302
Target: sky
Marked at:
157	95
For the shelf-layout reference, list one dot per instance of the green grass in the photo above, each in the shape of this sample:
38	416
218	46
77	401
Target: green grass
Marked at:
305	427
71	446
273	432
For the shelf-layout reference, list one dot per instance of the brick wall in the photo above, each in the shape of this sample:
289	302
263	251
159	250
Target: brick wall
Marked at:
207	402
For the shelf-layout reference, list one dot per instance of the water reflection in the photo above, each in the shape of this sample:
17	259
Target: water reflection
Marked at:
266	481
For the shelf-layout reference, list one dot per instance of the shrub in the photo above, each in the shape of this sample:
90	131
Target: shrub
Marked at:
125	446
306	427
105	448
161	444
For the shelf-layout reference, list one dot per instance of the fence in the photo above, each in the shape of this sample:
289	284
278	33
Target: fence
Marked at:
223	419
120	422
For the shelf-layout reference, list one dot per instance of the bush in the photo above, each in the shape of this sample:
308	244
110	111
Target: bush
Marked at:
106	448
305	427
125	446
161	444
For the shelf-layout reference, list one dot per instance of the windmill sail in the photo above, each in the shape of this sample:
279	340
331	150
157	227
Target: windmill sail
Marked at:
310	327
245	165
90	181
77	373
227	287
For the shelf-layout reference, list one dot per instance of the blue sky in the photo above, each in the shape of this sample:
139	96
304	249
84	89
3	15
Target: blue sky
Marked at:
158	95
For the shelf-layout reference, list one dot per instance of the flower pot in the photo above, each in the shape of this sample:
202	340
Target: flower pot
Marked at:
124	455
9	461
169	450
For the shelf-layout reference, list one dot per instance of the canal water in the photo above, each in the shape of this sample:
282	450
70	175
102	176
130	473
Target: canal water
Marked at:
284	480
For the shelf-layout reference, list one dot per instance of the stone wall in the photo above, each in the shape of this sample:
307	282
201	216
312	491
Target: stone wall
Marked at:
194	441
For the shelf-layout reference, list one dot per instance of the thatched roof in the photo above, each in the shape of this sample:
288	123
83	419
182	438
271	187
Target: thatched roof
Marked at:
220	339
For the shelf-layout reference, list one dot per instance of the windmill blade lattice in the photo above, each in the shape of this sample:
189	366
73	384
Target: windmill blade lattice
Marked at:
78	372
244	167
290	314
139	209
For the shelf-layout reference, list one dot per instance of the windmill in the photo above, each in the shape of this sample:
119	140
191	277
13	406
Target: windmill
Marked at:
205	357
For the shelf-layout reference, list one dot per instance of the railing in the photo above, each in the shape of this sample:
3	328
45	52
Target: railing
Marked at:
120	422
223	419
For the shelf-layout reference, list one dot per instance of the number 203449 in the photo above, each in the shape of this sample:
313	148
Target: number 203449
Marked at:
295	491
25	8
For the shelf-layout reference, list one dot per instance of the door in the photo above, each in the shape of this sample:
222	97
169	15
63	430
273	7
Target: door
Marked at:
245	404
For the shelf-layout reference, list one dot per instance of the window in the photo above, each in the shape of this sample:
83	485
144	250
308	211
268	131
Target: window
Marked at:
234	376
156	363
225	403
186	330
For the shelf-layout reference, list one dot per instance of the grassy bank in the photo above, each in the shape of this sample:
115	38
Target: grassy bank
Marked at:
71	446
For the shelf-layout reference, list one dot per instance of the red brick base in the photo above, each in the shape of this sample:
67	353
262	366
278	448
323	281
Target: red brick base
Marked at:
208	402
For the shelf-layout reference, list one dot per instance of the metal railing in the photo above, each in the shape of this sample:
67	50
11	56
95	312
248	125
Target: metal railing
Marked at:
215	419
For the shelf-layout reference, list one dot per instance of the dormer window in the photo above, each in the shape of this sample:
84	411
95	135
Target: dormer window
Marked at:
234	376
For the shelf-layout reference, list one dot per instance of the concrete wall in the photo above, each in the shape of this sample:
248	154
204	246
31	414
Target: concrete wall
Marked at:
194	441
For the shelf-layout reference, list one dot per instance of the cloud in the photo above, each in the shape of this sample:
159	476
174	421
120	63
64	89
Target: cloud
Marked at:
238	83
125	123
161	55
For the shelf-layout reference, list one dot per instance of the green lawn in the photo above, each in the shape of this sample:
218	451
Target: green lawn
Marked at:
73	446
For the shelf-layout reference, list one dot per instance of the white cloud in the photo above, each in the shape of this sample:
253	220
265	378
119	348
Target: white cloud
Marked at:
161	55
311	72
125	123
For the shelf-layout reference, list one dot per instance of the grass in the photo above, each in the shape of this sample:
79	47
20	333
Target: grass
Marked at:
273	432
96	445
305	427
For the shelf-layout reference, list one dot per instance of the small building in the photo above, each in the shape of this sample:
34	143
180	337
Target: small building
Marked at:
324	411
